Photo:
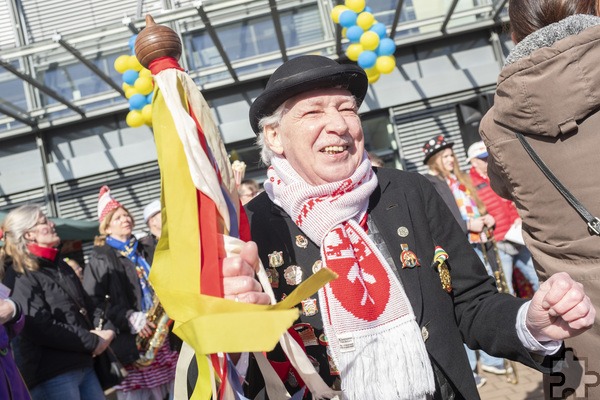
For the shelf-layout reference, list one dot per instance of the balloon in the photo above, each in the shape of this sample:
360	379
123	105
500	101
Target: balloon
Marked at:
134	118
132	41
374	78
369	40
353	51
121	64
143	85
149	98
145	73
134	64
344	30
130	76
385	64
367	59
137	101
355	5
336	11
125	86
348	18
365	20
386	47
354	33
130	91
379	28
368	9
147	114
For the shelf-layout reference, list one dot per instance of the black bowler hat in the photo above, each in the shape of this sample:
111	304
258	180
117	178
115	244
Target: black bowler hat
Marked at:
434	145
302	74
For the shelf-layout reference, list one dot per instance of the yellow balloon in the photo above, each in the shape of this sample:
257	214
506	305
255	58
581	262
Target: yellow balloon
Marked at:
130	91
147	114
125	86
365	20
336	11
385	64
372	74
369	40
344	30
134	64
373	79
134	118
121	64
144	85
353	51
355	5
145	73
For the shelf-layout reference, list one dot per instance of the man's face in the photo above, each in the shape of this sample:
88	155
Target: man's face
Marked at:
320	135
155	224
480	164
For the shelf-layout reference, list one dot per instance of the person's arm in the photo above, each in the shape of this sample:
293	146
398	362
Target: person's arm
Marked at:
486	318
40	325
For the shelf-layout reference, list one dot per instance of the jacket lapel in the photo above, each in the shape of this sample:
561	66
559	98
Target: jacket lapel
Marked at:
387	210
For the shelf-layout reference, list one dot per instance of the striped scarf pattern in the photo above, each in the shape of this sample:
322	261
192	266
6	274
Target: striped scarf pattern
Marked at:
366	315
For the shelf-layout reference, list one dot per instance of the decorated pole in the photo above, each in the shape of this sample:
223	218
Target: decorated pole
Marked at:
202	223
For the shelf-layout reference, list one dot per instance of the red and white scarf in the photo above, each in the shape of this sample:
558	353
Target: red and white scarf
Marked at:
370	325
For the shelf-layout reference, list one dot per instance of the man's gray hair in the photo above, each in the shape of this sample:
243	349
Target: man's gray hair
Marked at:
273	120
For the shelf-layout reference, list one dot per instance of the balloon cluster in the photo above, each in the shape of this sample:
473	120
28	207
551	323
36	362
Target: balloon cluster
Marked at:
369	46
138	86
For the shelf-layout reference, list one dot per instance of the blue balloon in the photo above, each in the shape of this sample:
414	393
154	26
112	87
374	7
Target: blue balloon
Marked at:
367	59
348	18
379	28
354	33
387	47
130	76
137	101
149	98
368	9
132	41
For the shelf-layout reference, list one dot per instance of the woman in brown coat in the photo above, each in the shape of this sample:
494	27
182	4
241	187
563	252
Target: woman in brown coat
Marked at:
549	91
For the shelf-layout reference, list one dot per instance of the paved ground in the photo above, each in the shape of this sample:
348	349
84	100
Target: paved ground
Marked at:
528	388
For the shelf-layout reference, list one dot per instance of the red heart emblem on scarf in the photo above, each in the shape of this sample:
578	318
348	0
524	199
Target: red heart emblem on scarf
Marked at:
363	286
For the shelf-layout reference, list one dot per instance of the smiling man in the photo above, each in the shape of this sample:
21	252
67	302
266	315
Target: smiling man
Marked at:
392	325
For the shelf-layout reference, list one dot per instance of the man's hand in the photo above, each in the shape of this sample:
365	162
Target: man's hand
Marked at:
239	281
559	309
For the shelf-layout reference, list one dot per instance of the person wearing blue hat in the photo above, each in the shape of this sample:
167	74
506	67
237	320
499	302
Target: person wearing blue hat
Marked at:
392	325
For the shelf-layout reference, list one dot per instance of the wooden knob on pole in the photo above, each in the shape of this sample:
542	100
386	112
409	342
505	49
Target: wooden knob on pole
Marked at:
156	41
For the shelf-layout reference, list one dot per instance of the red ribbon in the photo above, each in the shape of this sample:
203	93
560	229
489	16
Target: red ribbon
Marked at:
162	63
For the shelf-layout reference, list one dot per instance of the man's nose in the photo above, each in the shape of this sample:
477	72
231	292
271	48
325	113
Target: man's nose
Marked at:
336	123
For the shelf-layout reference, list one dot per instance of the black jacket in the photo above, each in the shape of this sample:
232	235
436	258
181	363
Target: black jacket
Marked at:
56	337
109	272
474	312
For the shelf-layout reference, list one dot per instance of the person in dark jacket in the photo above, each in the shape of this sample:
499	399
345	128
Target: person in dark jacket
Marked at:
392	328
59	341
12	321
118	267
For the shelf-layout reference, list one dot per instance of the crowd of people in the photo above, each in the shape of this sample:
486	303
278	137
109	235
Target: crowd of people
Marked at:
425	263
68	315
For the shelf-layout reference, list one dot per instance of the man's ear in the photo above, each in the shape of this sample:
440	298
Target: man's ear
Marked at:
273	139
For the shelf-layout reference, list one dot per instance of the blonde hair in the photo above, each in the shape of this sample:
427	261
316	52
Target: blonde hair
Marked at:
16	224
436	165
100	240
